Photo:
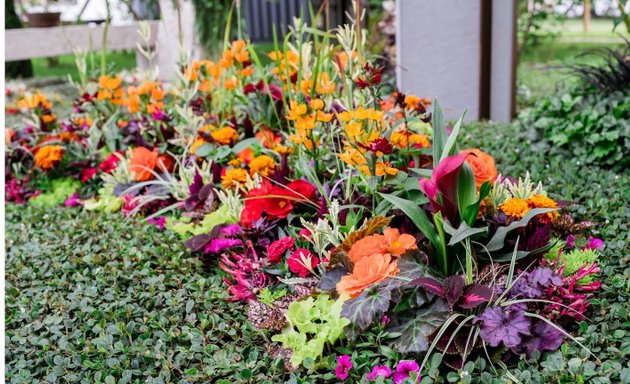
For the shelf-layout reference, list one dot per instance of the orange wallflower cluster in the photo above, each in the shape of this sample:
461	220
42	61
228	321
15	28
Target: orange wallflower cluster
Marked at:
324	86
38	101
305	119
34	101
48	156
233	65
110	88
287	64
402	138
374	259
144	162
362	127
149	91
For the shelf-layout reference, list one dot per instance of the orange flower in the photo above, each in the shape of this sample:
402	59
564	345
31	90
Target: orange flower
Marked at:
165	162
233	178
49	118
48	156
225	136
268	138
196	144
142	162
262	165
8	135
367	246
246	155
515	207
366	272
398	244
542	201
482	165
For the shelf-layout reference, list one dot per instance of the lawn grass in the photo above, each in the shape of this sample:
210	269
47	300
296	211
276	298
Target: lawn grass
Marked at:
66	65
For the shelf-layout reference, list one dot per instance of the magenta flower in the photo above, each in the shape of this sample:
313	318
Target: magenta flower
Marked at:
594	244
159	222
343	367
73	201
231	230
219	245
570	241
379	370
404	369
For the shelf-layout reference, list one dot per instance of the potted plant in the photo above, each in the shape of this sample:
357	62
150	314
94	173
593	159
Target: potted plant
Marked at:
38	15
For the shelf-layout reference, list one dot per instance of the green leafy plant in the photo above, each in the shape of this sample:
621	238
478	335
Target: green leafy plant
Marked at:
59	191
312	324
592	128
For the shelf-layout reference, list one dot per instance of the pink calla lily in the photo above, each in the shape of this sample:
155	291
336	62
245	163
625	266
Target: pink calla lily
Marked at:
444	181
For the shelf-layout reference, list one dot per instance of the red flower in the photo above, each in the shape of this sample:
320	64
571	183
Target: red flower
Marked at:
110	163
299	259
88	173
275	201
276	249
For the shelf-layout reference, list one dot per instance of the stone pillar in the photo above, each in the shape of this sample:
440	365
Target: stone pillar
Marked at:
460	51
170	48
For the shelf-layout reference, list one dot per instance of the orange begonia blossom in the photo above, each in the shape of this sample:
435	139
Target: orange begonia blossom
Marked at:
367	246
142	162
398	244
366	272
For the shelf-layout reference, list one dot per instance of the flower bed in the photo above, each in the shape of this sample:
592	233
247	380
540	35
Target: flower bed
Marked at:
341	212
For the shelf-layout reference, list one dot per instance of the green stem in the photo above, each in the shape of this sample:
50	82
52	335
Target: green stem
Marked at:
104	46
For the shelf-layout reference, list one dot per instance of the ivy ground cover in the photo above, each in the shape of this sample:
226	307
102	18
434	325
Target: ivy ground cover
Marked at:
334	228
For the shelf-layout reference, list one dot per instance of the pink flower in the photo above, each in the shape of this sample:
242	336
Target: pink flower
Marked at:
304	234
570	241
160	222
343	367
247	273
231	230
276	249
88	173
73	201
219	245
404	369
594	244
385	320
379	370
110	162
299	259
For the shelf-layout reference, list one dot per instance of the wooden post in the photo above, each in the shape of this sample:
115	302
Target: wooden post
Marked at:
586	20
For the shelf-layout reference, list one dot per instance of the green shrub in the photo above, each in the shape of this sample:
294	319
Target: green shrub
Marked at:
592	129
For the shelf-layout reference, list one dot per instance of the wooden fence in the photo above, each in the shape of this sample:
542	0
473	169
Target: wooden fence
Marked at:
262	15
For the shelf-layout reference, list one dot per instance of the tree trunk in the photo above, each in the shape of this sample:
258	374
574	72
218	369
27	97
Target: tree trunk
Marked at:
15	69
587	15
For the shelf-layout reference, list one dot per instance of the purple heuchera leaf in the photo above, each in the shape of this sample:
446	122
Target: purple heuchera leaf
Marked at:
545	337
504	325
533	284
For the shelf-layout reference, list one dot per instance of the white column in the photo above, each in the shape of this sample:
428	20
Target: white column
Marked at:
169	48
